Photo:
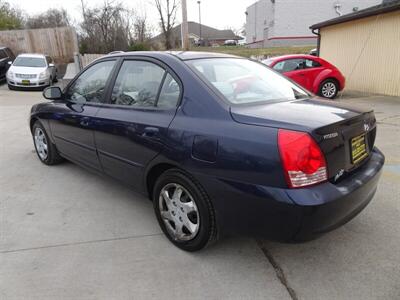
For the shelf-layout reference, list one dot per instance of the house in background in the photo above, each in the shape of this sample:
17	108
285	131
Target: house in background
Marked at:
286	22
365	46
208	35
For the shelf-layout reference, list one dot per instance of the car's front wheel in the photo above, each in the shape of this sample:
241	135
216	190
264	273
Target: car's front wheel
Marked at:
329	89
45	149
184	211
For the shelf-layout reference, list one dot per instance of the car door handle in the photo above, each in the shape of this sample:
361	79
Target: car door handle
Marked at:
85	122
150	131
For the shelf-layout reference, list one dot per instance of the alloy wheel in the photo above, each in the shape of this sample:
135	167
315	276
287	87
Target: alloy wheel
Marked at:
328	90
179	212
41	143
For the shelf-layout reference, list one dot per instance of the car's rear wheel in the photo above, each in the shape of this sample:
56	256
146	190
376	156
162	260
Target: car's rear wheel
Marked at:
45	149
329	89
184	211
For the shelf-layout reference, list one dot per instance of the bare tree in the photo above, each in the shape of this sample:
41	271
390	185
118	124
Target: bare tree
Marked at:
141	28
49	19
106	28
167	10
236	31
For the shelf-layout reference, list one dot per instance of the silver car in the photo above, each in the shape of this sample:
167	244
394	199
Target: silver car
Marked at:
31	70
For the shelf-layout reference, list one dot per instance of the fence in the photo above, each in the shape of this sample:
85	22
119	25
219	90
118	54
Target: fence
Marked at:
60	43
88	58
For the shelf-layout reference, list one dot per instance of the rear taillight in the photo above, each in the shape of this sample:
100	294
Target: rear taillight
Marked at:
303	162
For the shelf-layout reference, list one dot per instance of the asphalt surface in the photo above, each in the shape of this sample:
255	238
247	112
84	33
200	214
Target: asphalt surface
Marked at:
68	234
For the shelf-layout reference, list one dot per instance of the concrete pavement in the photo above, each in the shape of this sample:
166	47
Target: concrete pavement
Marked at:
360	260
68	234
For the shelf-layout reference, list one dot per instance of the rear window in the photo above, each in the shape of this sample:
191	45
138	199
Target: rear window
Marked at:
243	81
34	62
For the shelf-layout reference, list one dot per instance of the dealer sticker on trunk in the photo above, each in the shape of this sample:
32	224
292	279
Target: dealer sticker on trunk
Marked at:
358	149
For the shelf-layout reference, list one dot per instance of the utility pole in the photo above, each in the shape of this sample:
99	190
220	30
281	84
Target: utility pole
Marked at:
198	2
255	22
184	27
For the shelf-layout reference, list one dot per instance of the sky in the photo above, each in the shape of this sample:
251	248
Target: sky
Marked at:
221	14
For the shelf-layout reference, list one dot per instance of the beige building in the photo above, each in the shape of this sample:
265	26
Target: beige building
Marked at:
365	46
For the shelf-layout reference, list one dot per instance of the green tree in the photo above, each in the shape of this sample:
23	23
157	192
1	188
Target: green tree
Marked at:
10	18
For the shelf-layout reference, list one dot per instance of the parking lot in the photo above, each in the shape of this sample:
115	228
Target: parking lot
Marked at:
68	234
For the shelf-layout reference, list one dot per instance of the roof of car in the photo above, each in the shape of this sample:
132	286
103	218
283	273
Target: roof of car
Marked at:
32	55
292	56
186	55
183	55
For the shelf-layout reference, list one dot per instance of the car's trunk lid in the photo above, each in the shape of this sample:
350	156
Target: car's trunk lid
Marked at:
341	130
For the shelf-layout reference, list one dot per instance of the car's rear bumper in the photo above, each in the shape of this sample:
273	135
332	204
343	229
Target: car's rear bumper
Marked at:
292	214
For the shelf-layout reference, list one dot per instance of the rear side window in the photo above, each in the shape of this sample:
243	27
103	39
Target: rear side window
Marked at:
144	84
170	93
90	85
312	63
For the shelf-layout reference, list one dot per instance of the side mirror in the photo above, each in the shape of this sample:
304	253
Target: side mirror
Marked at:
51	65
52	93
10	62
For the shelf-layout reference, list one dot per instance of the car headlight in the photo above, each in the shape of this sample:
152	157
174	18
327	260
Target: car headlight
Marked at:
43	75
10	74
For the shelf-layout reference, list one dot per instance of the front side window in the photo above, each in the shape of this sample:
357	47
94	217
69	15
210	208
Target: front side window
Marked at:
3	54
137	84
290	65
32	62
90	85
243	81
9	53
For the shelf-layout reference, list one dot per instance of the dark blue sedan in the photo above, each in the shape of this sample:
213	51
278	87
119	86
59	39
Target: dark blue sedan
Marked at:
222	145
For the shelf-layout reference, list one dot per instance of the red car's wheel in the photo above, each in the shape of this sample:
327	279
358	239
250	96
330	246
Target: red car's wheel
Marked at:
329	88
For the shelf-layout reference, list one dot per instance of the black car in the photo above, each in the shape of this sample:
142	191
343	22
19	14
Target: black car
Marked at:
220	144
6	56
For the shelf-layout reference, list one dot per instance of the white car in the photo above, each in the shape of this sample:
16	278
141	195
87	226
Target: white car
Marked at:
31	70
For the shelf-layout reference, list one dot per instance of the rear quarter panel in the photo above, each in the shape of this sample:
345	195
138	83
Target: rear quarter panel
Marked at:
324	74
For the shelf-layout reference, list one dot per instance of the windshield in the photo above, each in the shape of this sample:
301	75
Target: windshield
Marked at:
243	81
268	61
33	62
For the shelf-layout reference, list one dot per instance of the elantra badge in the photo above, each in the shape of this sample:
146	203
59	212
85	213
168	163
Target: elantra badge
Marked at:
330	135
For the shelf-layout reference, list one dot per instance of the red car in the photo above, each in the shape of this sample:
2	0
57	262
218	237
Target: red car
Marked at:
311	72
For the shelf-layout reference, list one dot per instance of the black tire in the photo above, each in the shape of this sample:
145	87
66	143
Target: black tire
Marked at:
11	88
329	89
207	231
52	157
